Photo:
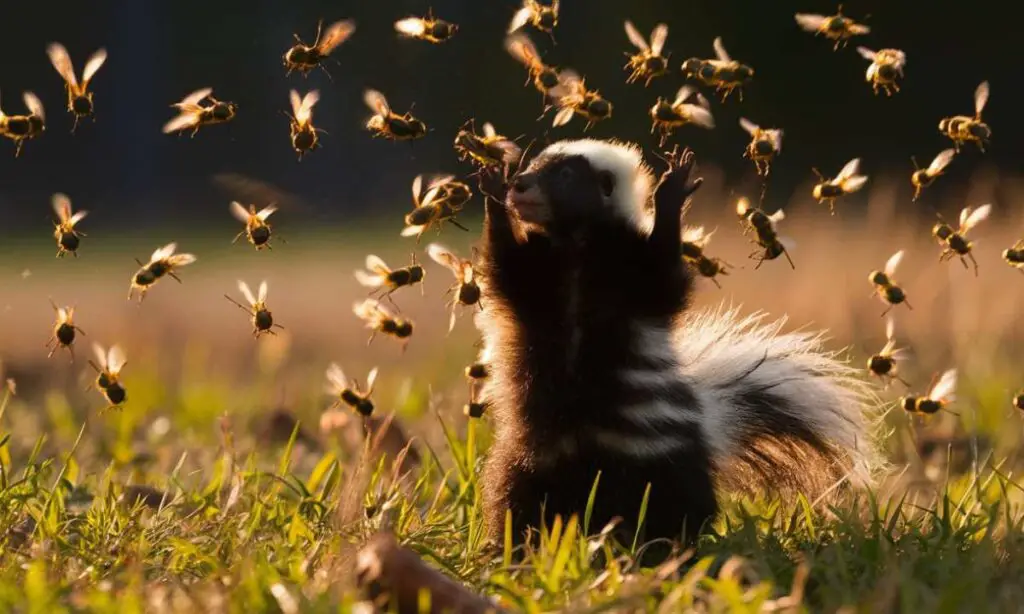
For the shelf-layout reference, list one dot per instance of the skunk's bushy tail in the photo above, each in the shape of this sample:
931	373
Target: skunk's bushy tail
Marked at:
780	413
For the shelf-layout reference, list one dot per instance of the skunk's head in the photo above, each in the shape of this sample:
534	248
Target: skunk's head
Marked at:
577	183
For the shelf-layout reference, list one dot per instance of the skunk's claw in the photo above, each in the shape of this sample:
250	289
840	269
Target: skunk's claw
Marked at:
492	184
677	183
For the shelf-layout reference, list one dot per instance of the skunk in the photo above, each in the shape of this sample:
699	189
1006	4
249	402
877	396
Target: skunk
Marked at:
596	366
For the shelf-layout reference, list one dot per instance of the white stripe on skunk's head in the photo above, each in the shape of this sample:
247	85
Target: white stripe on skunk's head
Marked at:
617	162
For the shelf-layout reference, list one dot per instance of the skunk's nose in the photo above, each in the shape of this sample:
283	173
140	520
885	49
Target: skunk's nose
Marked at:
524	182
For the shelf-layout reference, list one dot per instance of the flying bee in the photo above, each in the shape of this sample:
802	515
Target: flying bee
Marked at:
488	150
108	378
542	17
846	182
723	73
941	394
667	116
885	69
923	177
475	409
838	27
1018	400
20	128
573	98
886	288
955	242
477	371
766	237
765	144
382	278
64	331
388	124
348	391
64	231
427	28
883	365
1014	256
303	132
262	318
194	115
694	241
545	78
162	262
443	199
379	320
257	230
79	96
467	291
648	63
304	58
961	128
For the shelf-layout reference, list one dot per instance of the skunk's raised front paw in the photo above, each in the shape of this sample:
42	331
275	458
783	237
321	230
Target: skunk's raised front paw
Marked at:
677	183
492	184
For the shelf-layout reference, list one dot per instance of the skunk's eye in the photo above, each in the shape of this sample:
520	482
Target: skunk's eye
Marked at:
607	182
566	174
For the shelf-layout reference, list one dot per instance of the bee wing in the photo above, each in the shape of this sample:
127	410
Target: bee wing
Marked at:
941	161
562	117
522	49
411	231
417	186
96	60
700	116
263	292
371	379
376	101
853	184
866	53
296	102
429	196
857	28
305	110
810	22
336	34
519	19
489	131
683	94
511	149
635	37
749	126
848	171
693	234
890	331
777	217
377	265
367	280
77	217
62	315
61	206
776	138
658	37
336	380
720	51
185	120
787	243
980	97
266	212
467	272
62	62
439	182
181	259
35	106
115	359
892	263
246	292
411	26
163	252
240	212
445	257
101	355
900	59
367	309
193	99
945	388
975	217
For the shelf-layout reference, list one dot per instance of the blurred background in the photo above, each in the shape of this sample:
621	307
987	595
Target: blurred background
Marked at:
144	189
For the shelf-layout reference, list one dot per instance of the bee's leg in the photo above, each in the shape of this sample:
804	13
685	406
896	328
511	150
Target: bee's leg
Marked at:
17	148
887	309
74	126
176	278
741	94
327	72
71	350
786	252
963	261
759	263
456	223
278	326
901	380
233	241
80	330
715	281
370	340
973	261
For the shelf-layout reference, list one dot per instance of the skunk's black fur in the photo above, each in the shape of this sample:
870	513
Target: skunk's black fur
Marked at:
586	377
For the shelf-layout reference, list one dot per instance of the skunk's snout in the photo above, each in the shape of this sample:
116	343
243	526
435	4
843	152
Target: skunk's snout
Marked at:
528	199
523	182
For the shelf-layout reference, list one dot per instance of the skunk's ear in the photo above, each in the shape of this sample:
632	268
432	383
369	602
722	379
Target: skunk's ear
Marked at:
606	181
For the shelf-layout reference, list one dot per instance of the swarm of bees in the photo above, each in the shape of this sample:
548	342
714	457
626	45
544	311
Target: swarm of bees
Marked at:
68	239
257	231
886	288
429	28
540	16
667	116
304	58
79	96
838	27
20	128
765	144
163	262
648	63
846	182
885	70
262	319
723	73
964	129
466	289
955	242
573	98
303	132
924	177
387	124
766	237
194	115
